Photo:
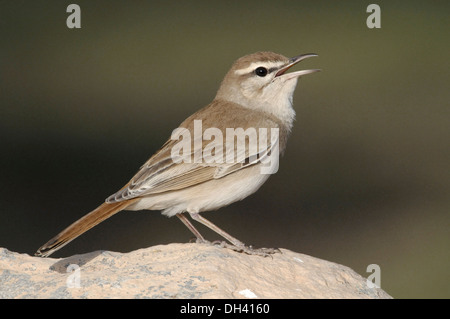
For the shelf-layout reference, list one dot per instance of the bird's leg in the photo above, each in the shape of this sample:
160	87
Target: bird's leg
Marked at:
191	228
207	223
236	244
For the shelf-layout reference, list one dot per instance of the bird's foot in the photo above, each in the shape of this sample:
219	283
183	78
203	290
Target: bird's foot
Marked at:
249	250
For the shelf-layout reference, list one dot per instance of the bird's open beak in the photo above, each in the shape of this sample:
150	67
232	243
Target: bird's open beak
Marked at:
292	62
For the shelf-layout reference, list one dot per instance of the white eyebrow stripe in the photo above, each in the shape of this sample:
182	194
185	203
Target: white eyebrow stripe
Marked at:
254	65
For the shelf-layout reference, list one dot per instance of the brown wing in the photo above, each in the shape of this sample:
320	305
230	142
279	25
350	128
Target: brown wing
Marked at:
161	174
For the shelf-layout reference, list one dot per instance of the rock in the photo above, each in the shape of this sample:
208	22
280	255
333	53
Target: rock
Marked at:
179	271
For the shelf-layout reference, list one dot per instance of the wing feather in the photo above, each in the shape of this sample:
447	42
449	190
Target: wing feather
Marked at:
161	174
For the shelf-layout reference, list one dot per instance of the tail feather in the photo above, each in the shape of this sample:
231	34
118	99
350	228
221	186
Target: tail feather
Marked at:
82	225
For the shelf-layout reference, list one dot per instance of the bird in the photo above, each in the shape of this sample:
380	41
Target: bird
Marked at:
256	95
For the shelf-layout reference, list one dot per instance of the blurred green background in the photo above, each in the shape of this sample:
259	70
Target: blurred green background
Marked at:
366	176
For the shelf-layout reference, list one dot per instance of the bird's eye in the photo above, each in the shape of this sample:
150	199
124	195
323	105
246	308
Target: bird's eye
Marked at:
261	71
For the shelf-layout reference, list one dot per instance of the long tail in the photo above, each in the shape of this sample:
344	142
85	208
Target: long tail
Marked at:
82	225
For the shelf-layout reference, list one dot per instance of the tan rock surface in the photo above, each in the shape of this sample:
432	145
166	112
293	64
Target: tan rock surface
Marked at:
179	271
